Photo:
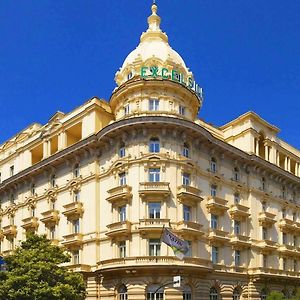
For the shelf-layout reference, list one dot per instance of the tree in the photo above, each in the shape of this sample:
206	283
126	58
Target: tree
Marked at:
275	296
33	272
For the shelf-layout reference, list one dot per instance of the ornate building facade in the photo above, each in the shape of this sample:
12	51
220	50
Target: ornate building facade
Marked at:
104	179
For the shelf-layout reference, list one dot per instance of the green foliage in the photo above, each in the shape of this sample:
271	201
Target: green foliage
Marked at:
33	273
275	296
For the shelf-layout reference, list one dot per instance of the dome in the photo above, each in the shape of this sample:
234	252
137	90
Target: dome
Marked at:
153	49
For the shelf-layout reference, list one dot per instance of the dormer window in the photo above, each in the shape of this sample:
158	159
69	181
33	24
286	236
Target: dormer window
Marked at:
122	151
186	150
153	104
126	109
213	165
154	145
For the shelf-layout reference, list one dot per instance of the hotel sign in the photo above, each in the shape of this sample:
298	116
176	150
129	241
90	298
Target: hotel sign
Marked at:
174	75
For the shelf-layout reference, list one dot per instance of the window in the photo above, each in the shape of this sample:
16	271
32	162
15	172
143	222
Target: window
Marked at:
187	293
126	109
189	252
213	165
236	295
12	198
263	183
237	198
284	263
122	293
154	145
265	261
264	233
214	254
159	295
214	222
213	190
32	211
284	238
295	265
122	248
294	240
75	226
76	196
237	227
213	294
122	151
236	174
181	110
32	189
153	104
283	213
264	206
11	170
154	175
75	257
154	247
129	76
122	213
53	180
283	194
154	210
237	257
52	232
186	179
187	213
76	170
186	150
294	217
122	179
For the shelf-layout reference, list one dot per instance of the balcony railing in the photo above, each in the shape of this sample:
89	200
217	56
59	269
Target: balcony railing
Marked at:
287	225
154	189
288	250
188	193
266	219
190	228
153	225
216	205
240	241
30	224
50	217
10	231
119	229
73	240
119	194
267	245
276	273
218	236
73	210
239	212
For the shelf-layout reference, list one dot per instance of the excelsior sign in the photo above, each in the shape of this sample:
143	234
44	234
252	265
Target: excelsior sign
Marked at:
174	75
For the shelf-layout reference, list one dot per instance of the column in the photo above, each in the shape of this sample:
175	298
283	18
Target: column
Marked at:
277	158
286	163
289	164
267	156
45	149
257	146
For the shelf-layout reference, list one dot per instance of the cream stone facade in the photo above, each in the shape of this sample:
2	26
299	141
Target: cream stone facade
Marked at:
104	179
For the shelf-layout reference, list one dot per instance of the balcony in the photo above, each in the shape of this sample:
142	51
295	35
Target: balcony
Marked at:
154	190
239	212
9	231
73	210
267	245
153	225
50	217
73	240
189	194
266	219
240	241
189	228
288	250
217	236
216	205
275	273
119	194
286	225
30	224
118	229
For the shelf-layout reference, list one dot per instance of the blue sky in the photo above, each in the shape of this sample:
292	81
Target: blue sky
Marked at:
55	55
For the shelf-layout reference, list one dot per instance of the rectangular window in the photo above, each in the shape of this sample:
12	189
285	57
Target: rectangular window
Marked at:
53	180
154	247
264	233
181	110
294	240
284	264
265	261
75	226
154	175
33	189
75	257
213	190
52	232
186	179
295	265
237	257
122	213
154	145
76	170
122	179
186	213
126	109
214	254
122	249
122	151
76	196
154	210
190	251
32	211
237	227
12	198
284	238
214	222
11	170
186	150
153	104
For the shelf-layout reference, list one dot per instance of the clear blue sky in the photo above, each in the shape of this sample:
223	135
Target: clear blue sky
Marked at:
54	55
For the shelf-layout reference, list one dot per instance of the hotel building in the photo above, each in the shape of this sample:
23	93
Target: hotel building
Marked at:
104	179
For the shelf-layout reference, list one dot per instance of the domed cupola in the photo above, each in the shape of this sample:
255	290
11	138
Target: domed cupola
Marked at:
155	60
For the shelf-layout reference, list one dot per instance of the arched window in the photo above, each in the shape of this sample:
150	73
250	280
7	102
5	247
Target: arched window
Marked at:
153	293
154	145
122	293
236	295
213	294
122	151
186	150
213	165
236	174
187	293
263	294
